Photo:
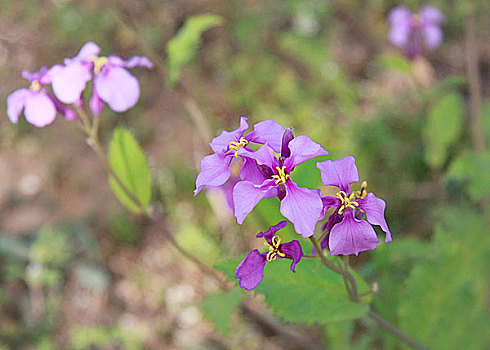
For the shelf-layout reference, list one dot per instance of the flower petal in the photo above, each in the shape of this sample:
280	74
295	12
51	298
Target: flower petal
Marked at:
352	236
246	196
250	270
118	88
250	172
69	82
432	36
267	235
215	170
39	109
263	156
340	173
430	15
88	51
138	61
302	149
220	143
303	207
400	19
15	103
96	104
375	212
293	251
267	131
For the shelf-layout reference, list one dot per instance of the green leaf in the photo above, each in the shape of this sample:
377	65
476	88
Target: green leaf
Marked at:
444	306
396	63
443	127
314	294
182	47
219	308
473	169
129	163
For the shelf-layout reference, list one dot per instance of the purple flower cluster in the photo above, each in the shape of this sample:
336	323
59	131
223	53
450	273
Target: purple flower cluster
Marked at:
112	84
408	30
268	172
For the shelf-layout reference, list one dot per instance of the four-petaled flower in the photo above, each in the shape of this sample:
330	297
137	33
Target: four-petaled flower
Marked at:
407	30
348	233
39	106
302	206
250	271
230	145
112	83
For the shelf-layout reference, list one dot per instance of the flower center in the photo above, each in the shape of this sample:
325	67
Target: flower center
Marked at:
35	86
274	249
347	202
236	145
281	175
99	62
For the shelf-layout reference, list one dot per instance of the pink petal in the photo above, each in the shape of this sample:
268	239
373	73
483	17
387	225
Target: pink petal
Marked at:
215	170
96	104
303	148
303	207
250	271
246	196
401	25
139	61
88	51
352	236
432	36
119	89
39	109
340	173
250	172
220	143
15	103
375	212
267	131
69	83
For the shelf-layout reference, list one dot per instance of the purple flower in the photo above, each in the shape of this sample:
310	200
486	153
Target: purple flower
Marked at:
250	271
39	106
407	30
113	84
232	145
301	206
348	233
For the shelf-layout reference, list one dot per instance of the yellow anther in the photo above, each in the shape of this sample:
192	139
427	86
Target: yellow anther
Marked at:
363	192
99	62
347	202
236	145
274	249
281	175
35	86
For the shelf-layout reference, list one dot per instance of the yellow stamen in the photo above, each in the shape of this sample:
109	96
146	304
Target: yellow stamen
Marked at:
274	249
236	145
281	175
99	62
363	192
347	202
35	86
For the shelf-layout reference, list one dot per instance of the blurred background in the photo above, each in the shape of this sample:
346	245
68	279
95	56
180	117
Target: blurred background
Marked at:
78	272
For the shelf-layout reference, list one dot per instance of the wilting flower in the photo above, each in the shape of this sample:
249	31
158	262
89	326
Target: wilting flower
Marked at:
39	106
349	234
113	84
251	270
301	206
230	145
407	30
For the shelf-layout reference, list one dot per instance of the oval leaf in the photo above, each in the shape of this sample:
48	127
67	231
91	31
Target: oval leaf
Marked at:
129	163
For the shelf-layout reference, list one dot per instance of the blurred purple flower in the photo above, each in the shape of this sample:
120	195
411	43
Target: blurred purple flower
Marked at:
301	206
348	233
39	106
113	84
407	30
230	145
250	271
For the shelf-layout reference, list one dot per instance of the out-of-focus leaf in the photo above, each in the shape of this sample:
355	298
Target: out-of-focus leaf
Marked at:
473	169
314	294
444	306
182	47
91	276
14	248
129	163
443	127
52	247
392	62
219	308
